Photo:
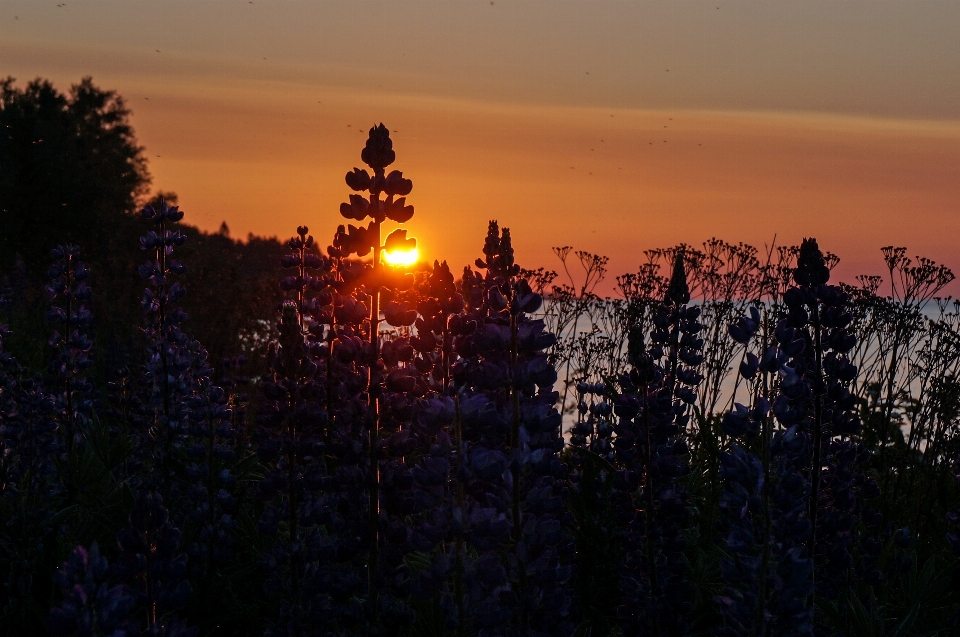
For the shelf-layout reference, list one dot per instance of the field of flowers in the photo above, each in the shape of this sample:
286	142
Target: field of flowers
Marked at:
735	446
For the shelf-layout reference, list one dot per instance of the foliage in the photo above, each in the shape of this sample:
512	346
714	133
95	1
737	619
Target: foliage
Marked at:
734	446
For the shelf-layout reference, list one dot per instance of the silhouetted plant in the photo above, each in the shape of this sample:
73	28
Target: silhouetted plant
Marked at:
651	455
167	379
151	566
293	419
29	485
509	429
69	292
90	606
813	459
377	154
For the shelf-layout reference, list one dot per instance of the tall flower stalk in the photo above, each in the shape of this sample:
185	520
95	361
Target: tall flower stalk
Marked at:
293	427
168	381
70	294
793	511
652	456
512	478
377	154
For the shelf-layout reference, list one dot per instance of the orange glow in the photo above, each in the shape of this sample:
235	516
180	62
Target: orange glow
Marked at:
235	137
401	257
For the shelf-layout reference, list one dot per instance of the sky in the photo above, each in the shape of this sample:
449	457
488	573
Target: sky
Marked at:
612	126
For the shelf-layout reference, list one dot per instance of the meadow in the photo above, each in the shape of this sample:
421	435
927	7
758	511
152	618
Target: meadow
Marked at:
734	445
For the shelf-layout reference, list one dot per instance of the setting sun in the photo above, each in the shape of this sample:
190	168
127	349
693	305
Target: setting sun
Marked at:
401	257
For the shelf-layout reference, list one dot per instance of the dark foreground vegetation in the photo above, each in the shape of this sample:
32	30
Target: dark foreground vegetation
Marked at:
738	446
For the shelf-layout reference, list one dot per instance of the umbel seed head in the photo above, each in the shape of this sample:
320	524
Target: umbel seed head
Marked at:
378	153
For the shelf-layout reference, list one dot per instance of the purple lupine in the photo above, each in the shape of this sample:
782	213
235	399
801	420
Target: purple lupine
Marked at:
651	455
428	447
768	574
69	295
742	600
30	486
377	154
90	605
798	524
339	340
488	599
593	430
312	422
290	436
791	590
167	373
746	480
153	568
186	445
210	471
418	414
415	413
440	302
592	500
512	477
841	521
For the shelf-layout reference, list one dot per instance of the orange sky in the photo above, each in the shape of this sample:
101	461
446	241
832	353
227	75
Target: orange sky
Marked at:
560	119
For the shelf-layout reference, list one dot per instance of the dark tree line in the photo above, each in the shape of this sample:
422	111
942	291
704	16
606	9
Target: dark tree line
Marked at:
72	172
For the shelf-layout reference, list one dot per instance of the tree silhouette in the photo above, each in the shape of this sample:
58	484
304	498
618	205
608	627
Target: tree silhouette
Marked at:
69	165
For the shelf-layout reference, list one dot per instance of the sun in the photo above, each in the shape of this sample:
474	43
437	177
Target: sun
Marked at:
401	257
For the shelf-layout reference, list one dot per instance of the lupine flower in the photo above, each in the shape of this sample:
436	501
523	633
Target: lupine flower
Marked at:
512	478
152	567
778	549
30	487
170	353
651	455
386	390
90	606
70	294
210	473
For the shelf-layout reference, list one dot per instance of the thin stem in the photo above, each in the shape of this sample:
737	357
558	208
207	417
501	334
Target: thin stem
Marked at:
161	342
293	512
373	391
458	559
515	467
648	494
66	341
817	430
765	436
